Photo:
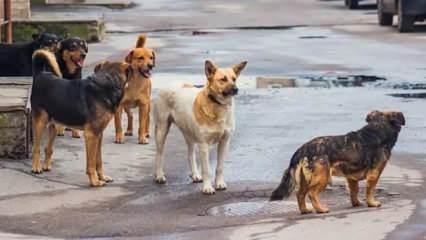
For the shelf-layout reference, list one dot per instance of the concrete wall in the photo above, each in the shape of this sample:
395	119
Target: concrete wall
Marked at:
20	9
1	10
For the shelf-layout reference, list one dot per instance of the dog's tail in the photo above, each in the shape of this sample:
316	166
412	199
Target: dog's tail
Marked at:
44	60
291	178
141	41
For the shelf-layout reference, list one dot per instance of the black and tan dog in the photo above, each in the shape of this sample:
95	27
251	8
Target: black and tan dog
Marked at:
15	59
358	155
87	104
70	56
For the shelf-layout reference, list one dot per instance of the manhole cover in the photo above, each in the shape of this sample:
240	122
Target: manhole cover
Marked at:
252	208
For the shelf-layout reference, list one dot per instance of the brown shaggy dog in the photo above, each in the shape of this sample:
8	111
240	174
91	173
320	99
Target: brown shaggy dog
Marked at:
138	92
358	155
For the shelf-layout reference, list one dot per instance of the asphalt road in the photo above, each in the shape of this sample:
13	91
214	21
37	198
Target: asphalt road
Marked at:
289	38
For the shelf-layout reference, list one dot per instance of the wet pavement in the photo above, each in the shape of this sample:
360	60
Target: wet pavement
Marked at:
326	44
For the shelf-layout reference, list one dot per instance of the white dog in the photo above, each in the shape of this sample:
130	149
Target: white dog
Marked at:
205	117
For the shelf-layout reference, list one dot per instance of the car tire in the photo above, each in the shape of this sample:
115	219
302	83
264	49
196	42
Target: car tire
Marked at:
385	19
352	4
405	22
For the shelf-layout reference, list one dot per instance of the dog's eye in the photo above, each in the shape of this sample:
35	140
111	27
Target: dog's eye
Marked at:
141	58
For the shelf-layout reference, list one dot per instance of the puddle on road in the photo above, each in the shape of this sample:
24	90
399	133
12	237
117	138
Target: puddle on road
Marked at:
409	95
254	208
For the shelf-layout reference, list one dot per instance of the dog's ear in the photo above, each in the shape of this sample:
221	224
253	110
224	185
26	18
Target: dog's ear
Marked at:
85	46
210	69
397	118
141	41
373	115
129	57
239	67
35	36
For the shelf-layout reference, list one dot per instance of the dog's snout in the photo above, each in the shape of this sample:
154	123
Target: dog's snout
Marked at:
150	66
234	90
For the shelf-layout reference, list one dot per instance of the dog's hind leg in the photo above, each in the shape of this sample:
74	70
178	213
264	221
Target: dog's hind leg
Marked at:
318	182
143	116
60	130
99	163
205	169
40	119
75	133
119	137
373	176
129	131
353	191
195	175
222	149
49	148
161	130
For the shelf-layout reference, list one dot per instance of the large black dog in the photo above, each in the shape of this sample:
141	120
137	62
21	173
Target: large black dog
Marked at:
88	104
15	59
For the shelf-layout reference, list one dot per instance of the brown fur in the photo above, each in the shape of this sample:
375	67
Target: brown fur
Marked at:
358	155
137	94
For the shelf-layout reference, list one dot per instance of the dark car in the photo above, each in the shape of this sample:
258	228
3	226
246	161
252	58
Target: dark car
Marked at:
408	11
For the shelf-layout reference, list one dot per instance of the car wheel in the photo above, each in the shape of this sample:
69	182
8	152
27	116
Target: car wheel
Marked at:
385	19
405	22
352	4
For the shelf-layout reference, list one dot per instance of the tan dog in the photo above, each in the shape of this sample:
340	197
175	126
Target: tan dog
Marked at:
138	92
205	117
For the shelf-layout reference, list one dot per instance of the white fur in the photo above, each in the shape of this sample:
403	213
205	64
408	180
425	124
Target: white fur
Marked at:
176	106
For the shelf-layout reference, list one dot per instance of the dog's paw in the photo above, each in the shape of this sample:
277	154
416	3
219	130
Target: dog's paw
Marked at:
221	185
98	183
208	190
196	178
47	167
37	170
128	133
160	179
356	204
143	141
306	211
147	135
60	133
322	210
105	178
374	203
75	134
119	139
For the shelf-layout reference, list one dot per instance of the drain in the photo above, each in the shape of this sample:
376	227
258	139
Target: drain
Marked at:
252	208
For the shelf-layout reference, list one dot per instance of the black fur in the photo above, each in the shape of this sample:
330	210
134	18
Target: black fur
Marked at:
15	59
353	152
74	103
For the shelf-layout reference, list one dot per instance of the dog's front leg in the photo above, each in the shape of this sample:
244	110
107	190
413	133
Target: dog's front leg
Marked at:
195	175
373	176
205	169
92	140
143	115
222	150
119	137
40	120
99	163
